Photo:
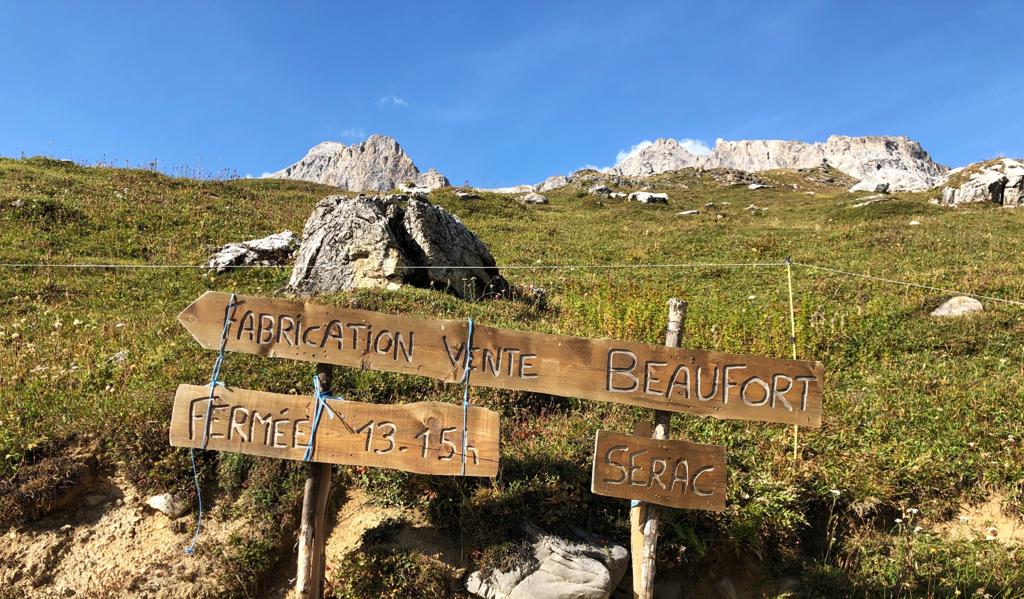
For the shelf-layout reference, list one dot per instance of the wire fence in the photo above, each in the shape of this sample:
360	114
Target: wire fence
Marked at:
538	267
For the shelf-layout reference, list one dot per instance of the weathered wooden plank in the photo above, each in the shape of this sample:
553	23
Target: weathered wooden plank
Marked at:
674	473
679	380
424	437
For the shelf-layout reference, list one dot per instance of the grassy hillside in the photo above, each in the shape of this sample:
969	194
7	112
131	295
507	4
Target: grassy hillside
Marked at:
922	416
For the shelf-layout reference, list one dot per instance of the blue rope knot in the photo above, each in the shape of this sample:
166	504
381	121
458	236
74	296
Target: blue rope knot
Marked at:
465	395
321	402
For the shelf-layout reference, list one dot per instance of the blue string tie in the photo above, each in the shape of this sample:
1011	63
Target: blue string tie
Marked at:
321	403
229	315
465	395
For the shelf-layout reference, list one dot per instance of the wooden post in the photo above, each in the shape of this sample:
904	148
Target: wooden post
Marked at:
643	517
312	530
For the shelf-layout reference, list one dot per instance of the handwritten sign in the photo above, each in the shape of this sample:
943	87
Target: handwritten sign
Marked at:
421	437
694	381
674	473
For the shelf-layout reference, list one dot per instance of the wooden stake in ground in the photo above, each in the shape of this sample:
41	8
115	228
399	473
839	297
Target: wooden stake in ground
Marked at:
312	530
643	517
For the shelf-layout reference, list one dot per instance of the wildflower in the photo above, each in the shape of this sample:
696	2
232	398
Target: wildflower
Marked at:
917	529
912	511
834	492
899	520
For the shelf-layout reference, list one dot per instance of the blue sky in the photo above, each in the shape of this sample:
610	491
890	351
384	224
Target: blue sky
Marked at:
499	93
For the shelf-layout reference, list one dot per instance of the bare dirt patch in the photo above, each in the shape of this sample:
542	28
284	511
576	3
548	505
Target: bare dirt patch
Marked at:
110	544
986	521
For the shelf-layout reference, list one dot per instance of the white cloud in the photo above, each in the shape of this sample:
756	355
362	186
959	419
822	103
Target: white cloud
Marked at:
353	133
266	175
392	100
694	146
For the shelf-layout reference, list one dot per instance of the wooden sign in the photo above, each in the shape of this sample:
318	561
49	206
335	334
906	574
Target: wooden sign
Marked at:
674	473
421	437
664	378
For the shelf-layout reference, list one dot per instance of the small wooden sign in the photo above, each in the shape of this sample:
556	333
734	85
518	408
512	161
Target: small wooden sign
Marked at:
653	376
674	473
423	437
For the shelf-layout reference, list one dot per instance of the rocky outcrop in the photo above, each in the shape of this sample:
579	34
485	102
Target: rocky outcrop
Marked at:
999	181
377	164
431	180
382	242
898	161
551	183
272	250
581	568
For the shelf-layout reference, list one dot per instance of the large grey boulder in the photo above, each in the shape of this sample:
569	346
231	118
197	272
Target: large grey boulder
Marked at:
383	242
533	198
272	250
377	164
580	568
871	186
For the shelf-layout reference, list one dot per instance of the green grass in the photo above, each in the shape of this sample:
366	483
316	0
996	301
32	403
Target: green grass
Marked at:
918	412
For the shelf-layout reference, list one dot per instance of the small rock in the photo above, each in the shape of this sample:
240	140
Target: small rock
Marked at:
726	589
66	528
914	223
466	195
168	504
533	198
687	212
617	195
958	306
709	205
648	197
94	499
600	190
754	186
754	209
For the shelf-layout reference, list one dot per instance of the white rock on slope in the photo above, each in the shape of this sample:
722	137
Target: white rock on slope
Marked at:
272	250
555	182
898	161
377	164
958	306
647	197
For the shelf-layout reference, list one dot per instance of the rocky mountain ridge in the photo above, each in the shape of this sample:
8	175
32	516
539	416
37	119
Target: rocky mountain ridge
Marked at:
896	160
377	164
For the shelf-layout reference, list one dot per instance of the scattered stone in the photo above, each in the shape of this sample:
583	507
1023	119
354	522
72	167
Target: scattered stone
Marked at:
272	250
873	187
958	306
580	568
914	223
709	205
868	200
687	212
600	190
533	198
371	241
466	195
617	195
647	197
169	505
552	183
754	186
755	209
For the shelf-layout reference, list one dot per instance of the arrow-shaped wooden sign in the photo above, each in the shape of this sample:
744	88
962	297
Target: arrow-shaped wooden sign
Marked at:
424	437
664	378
